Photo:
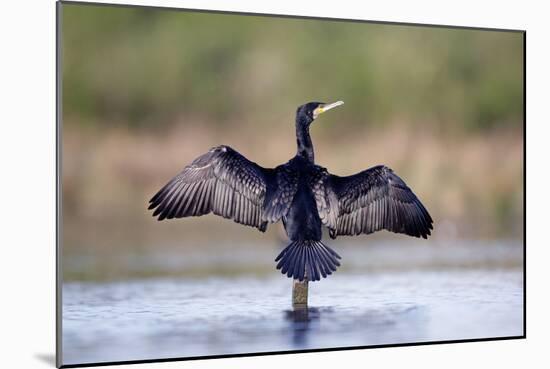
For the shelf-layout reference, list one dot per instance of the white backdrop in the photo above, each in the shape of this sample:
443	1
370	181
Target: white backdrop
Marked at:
27	167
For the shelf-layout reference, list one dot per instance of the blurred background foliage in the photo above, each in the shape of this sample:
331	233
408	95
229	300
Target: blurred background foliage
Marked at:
146	67
145	91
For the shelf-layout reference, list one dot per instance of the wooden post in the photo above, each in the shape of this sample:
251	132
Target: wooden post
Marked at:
299	293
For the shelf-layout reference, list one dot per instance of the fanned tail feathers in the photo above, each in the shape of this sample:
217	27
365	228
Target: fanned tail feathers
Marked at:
307	258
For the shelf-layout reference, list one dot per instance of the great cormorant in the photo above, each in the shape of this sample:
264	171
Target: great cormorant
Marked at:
305	196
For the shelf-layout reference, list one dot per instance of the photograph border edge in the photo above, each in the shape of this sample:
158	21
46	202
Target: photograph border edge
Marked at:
58	187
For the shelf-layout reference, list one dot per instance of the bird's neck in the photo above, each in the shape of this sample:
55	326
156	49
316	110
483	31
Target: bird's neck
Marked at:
303	140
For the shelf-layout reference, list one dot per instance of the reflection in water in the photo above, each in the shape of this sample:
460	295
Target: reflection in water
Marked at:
302	322
400	322
162	318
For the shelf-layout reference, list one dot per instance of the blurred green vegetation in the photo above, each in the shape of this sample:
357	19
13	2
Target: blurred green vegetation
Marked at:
146	67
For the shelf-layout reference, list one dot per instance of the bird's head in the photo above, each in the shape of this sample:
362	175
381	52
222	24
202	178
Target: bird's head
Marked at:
307	113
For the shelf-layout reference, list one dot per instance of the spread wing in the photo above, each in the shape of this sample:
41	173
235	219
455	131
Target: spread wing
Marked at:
221	181
372	200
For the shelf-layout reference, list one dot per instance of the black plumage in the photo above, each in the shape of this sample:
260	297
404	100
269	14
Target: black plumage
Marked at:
303	195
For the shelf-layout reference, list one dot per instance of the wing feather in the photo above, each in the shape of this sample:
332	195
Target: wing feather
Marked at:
369	201
223	182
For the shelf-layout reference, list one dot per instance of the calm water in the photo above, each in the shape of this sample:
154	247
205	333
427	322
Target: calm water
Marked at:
177	317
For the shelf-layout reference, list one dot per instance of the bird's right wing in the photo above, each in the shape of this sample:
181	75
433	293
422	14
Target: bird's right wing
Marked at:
221	181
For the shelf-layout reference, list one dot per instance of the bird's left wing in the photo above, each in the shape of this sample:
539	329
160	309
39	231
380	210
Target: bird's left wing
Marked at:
221	181
369	201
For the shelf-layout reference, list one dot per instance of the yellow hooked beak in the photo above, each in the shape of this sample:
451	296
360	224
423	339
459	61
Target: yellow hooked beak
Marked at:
325	107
